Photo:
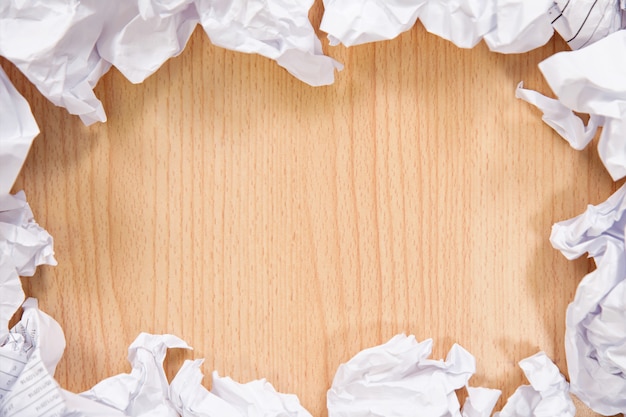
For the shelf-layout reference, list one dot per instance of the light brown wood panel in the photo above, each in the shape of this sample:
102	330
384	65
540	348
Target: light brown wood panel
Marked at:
280	228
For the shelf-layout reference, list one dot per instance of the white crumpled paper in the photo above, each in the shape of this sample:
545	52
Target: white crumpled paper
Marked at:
354	22
256	398
27	386
143	34
65	47
561	118
590	80
480	401
21	238
508	26
145	390
30	353
277	29
398	379
24	245
595	338
228	398
140	35
583	22
191	399
546	396
54	44
26	383
17	131
520	26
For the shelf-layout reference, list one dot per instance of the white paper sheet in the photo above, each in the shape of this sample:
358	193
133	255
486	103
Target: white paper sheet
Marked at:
17	131
595	338
77	406
546	396
590	80
29	355
398	379
508	26
583	22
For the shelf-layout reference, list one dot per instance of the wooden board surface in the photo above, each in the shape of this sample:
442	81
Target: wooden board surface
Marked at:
280	228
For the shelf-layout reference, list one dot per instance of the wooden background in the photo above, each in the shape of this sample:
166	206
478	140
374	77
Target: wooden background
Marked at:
280	228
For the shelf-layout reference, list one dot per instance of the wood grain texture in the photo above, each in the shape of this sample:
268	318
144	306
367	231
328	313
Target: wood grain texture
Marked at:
280	229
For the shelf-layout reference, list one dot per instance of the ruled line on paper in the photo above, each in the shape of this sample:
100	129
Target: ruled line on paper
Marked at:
582	22
33	392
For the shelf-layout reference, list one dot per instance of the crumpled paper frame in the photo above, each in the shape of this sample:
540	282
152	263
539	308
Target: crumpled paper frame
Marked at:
31	131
